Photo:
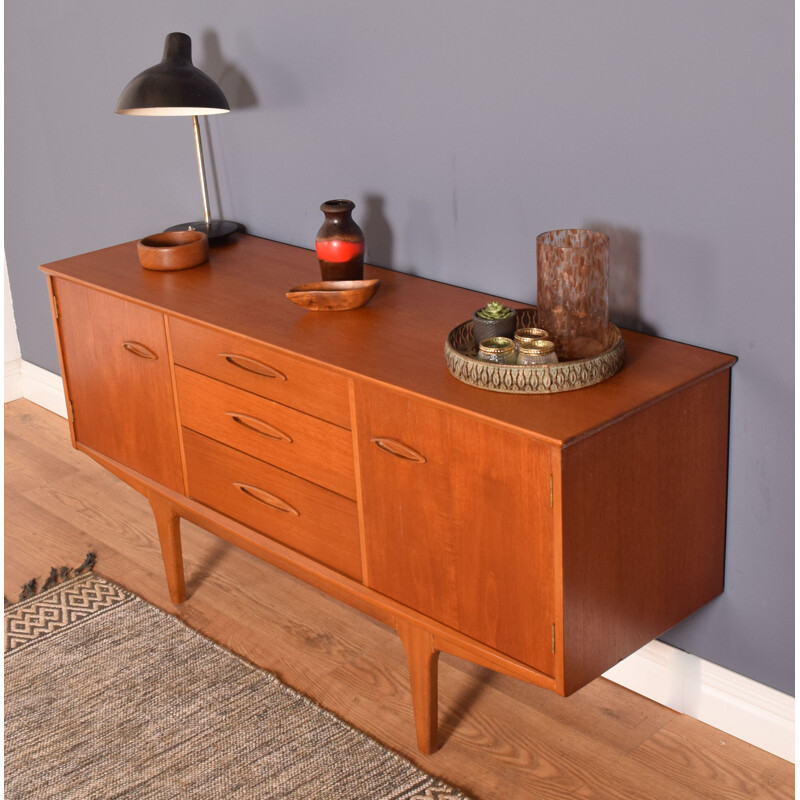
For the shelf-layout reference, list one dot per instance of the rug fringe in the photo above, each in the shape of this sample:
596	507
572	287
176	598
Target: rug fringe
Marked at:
57	575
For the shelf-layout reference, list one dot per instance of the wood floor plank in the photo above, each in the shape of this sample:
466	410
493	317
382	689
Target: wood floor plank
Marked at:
602	709
482	725
275	605
32	464
35	540
502	739
693	753
45	429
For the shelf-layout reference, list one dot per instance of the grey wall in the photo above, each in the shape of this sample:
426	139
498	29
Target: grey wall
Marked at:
462	129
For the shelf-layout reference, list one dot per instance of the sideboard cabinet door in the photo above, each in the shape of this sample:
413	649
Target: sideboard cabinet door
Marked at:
119	382
458	521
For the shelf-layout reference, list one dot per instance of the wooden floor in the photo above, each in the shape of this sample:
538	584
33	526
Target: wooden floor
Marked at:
501	739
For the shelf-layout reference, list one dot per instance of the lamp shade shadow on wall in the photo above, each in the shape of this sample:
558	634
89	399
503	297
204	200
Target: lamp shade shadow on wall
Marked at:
175	87
231	80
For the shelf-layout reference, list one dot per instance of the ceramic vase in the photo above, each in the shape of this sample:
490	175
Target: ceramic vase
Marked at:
340	243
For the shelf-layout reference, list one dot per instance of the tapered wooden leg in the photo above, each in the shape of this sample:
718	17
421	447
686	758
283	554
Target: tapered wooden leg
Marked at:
169	535
423	668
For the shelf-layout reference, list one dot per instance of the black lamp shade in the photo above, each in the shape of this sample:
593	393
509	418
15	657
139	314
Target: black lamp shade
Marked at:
174	87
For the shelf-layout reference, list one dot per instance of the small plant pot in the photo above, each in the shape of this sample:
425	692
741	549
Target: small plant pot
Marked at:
489	328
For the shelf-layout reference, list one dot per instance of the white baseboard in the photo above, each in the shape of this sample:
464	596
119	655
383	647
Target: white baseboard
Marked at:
739	706
12	385
712	694
23	379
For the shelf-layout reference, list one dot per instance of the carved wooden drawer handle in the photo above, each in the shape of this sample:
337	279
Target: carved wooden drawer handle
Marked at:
138	349
266	498
259	426
251	365
395	448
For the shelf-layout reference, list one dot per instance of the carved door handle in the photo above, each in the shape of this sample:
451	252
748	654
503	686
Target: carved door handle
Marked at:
259	426
138	349
251	365
267	498
396	448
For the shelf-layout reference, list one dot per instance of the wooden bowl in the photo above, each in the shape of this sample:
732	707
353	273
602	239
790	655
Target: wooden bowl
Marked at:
333	295
173	250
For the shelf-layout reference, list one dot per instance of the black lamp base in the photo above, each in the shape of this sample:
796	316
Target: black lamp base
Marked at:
216	229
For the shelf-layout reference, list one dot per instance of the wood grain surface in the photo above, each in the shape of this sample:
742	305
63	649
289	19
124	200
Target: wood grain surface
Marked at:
562	551
308	518
465	537
111	350
501	739
289	439
243	286
643	523
261	369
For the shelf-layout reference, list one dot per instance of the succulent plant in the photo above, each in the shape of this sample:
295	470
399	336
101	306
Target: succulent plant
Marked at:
495	311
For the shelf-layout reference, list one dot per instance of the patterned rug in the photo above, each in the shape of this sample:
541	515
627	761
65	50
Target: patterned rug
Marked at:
109	697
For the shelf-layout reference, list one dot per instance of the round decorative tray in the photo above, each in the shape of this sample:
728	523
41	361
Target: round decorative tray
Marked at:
462	361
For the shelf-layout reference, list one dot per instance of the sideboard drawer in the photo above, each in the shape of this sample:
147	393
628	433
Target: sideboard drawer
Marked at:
262	369
289	439
306	517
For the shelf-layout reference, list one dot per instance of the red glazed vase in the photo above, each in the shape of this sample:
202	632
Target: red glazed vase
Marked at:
340	243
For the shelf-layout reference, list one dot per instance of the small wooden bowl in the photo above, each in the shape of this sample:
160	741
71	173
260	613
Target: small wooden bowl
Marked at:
333	295
173	250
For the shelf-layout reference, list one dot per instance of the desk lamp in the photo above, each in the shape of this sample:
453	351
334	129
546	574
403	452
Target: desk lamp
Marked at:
174	88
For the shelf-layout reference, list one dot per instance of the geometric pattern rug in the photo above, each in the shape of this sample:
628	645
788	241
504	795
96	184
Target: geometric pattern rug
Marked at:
109	697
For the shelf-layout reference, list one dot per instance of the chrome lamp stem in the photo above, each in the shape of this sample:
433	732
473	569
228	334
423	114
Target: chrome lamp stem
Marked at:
202	170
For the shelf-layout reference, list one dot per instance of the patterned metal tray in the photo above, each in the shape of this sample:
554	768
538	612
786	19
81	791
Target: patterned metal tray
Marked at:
462	361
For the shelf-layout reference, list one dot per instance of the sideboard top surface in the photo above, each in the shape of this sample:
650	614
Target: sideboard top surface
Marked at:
397	338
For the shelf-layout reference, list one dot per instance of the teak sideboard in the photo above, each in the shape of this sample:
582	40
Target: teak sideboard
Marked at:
543	536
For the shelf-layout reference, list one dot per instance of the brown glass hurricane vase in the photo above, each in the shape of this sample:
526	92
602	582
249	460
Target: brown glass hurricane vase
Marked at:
572	291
